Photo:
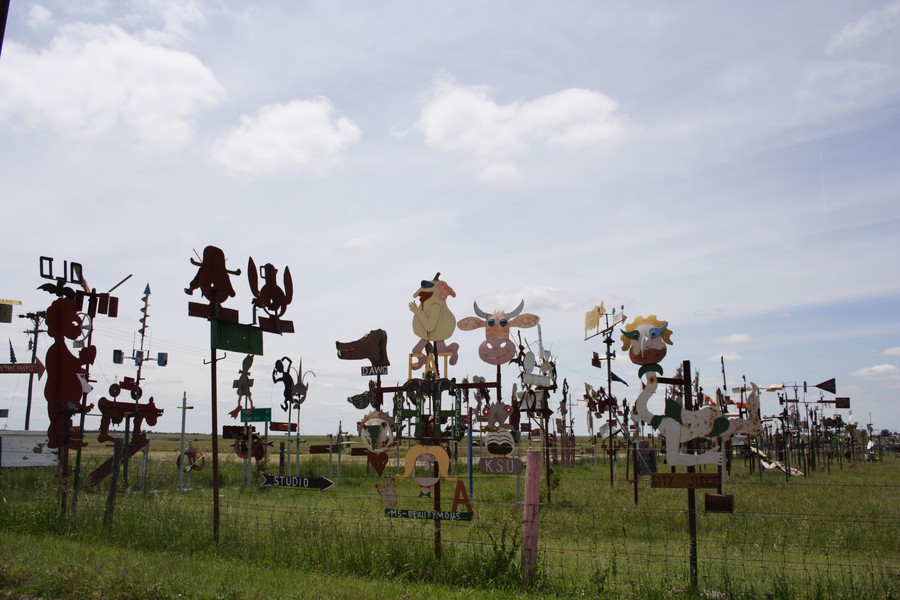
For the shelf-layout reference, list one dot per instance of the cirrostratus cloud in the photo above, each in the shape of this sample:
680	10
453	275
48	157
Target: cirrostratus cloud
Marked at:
492	137
96	81
302	135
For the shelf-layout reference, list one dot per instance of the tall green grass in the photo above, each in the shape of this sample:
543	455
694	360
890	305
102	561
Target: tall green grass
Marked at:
825	536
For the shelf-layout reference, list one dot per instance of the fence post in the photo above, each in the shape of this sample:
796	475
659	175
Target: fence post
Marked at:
532	503
114	481
144	463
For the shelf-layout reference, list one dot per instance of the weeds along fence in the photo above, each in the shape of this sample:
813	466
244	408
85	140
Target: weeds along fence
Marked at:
835	533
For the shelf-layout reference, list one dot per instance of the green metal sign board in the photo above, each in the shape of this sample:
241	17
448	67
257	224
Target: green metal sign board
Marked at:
256	415
236	337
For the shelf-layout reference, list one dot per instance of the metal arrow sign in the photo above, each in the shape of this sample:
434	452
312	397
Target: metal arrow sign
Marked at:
36	367
288	481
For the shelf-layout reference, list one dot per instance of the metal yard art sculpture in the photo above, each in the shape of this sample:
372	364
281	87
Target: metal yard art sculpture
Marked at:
499	421
434	323
417	407
68	376
646	340
376	429
599	322
213	279
114	412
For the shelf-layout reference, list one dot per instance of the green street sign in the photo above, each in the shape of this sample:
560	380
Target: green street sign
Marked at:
256	415
236	337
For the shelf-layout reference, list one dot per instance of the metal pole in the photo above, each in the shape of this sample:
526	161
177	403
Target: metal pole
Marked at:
471	471
182	459
692	496
215	443
36	318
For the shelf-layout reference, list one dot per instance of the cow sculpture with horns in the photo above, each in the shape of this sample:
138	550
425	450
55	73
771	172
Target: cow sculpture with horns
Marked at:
497	348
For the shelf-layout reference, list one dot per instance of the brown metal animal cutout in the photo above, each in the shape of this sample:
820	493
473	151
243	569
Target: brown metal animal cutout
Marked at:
270	297
372	346
114	412
212	279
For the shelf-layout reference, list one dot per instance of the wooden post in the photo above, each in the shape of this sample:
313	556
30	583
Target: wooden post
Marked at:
532	504
637	473
113	482
692	493
438	549
145	460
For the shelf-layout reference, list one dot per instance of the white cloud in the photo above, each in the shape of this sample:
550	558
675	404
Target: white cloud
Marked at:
39	16
828	89
303	135
735	338
366	241
177	16
868	27
895	351
879	372
536	297
95	81
728	356
491	137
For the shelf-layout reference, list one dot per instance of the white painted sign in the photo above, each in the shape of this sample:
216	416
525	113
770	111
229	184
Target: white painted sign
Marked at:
26	449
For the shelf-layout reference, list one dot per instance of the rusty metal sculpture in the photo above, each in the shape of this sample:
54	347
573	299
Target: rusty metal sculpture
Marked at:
271	298
243	384
66	374
371	346
114	412
213	280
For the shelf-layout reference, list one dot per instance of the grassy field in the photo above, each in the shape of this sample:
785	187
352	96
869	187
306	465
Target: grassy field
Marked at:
828	535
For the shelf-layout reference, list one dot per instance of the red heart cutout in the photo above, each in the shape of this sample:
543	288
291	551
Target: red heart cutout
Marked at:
378	460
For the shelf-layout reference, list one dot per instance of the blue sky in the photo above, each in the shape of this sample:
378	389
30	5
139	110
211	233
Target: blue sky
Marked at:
729	167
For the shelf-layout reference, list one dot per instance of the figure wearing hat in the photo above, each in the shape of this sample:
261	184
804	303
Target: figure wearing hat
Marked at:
432	320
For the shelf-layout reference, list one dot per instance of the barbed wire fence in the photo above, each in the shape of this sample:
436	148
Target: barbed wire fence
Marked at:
824	531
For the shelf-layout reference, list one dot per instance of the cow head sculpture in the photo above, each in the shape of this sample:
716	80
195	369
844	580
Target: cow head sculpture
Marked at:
497	348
